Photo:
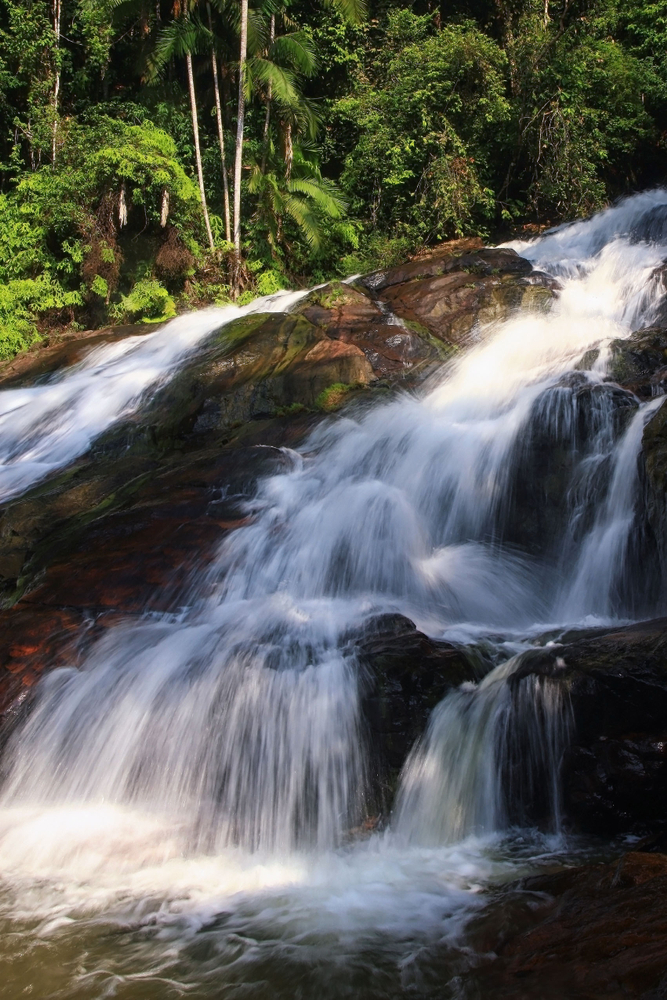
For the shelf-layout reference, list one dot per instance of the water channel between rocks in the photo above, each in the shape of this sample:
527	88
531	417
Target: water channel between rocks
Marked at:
188	813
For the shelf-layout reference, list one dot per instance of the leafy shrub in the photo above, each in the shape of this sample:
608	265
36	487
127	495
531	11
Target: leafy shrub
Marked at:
22	303
149	301
268	283
420	166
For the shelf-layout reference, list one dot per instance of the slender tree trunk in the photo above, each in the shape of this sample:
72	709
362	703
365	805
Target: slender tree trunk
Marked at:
238	160
57	12
221	132
505	21
267	119
195	133
289	152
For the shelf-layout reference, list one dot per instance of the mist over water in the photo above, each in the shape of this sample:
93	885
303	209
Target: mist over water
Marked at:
202	779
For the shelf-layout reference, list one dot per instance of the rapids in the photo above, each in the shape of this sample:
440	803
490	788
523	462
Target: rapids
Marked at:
182	815
44	427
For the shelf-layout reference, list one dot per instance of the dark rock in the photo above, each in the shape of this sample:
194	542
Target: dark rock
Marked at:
545	459
586	933
404	676
639	363
614	774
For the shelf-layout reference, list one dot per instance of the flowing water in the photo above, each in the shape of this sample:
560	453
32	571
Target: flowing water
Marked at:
44	427
183	816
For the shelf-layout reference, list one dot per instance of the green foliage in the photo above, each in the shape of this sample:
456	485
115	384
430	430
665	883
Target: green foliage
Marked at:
268	283
23	302
366	138
100	286
333	397
149	301
420	165
584	120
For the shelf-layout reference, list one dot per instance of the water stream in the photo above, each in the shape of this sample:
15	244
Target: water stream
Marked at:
181	816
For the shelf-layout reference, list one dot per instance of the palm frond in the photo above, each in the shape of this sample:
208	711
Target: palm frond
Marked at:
322	192
305	218
295	50
353	11
281	81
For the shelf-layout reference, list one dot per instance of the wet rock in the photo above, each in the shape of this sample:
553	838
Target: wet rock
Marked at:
640	362
655	463
585	933
542	467
614	773
404	676
447	294
122	528
352	316
84	567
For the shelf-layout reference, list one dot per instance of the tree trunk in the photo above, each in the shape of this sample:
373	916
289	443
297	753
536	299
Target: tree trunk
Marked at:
267	119
221	132
195	133
57	12
289	152
238	160
505	21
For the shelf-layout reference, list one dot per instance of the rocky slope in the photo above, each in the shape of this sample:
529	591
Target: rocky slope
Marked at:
120	529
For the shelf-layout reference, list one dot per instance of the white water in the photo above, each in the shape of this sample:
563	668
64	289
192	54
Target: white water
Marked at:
44	427
211	765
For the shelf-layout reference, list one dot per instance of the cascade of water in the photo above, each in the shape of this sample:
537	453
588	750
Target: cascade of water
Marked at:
240	720
241	726
45	426
595	587
489	758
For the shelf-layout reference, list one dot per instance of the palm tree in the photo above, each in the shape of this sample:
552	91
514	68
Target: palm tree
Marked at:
221	131
181	38
195	134
238	158
303	196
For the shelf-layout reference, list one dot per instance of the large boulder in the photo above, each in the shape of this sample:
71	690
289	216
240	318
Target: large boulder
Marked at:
448	295
543	465
119	530
404	674
640	362
114	547
614	772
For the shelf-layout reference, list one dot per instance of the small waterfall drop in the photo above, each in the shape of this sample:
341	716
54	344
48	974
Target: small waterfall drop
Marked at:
477	768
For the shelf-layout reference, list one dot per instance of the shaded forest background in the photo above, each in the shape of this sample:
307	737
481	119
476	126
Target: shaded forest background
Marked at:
157	155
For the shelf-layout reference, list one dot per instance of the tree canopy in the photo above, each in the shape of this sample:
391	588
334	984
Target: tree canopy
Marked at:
151	158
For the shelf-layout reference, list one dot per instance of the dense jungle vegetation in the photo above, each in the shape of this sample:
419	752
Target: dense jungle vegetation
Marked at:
163	154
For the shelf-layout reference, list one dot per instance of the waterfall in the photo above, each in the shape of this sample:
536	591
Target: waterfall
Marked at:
45	426
480	769
233	729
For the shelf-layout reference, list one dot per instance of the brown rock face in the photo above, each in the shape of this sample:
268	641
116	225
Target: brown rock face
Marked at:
63	351
449	294
87	572
588	933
